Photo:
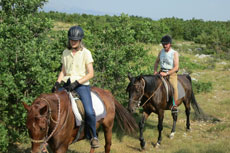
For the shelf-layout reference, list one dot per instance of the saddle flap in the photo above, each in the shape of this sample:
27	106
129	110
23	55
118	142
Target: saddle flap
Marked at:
78	108
181	91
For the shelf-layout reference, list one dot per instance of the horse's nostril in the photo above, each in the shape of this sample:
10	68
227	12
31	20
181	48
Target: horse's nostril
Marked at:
131	110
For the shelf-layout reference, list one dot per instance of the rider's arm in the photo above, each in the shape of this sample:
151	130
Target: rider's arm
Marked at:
176	64
61	74
89	75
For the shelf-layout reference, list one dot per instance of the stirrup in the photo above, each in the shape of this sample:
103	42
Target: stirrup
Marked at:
174	109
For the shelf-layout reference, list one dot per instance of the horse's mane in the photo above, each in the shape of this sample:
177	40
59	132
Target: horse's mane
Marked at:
151	82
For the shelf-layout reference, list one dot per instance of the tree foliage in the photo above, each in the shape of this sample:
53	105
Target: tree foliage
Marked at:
214	34
28	63
114	53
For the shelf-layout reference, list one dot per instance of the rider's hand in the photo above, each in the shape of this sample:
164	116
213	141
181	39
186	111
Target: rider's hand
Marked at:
72	86
163	74
56	86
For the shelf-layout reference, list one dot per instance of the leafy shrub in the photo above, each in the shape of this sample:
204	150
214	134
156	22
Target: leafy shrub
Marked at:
29	60
114	57
188	65
4	141
199	86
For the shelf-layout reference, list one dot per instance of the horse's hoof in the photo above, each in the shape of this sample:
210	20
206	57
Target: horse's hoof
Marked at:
142	145
171	136
157	145
188	130
142	148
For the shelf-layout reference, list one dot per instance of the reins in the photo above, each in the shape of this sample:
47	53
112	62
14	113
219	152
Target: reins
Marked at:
152	93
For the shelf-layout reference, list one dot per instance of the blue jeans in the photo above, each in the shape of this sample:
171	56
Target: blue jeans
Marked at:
84	92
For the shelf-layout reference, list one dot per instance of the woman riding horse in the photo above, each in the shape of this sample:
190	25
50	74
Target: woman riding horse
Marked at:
77	66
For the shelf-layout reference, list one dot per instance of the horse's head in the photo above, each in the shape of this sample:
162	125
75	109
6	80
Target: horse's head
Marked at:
37	123
136	91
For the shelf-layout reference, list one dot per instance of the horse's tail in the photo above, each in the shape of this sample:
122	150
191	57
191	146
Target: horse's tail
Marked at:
199	113
125	120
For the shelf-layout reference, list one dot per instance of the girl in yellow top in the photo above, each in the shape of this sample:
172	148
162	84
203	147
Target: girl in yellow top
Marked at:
77	68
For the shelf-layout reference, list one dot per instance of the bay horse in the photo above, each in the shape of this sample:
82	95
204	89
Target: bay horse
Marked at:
50	119
149	92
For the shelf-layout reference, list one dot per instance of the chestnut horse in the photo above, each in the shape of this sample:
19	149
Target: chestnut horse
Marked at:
50	119
149	92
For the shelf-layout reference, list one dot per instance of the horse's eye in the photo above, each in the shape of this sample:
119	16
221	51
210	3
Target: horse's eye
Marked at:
138	89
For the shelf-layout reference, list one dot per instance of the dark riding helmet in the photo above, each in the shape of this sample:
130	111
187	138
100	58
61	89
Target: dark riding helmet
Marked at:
166	39
75	33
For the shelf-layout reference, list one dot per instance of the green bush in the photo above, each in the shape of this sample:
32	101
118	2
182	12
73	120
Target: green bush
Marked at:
114	58
29	60
199	86
4	141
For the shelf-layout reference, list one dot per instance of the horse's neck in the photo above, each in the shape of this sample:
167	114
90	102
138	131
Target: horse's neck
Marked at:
151	83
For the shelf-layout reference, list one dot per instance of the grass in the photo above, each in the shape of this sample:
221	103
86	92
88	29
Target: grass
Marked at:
204	137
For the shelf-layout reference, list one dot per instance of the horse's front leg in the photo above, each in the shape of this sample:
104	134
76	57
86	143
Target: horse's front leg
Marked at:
160	126
141	128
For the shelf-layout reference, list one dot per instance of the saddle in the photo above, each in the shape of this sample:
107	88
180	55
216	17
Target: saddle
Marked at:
78	108
167	85
79	104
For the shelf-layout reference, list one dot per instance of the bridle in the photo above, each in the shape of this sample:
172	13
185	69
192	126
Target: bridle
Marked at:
47	137
139	101
50	118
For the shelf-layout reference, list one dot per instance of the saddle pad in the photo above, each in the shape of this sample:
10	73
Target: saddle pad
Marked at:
181	91
98	106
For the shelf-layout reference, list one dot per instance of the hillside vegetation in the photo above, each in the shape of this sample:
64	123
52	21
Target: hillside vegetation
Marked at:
32	42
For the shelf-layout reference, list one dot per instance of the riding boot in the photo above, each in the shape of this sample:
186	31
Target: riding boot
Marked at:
174	107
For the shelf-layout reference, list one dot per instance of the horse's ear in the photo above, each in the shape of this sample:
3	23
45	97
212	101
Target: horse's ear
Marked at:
140	77
44	110
27	107
129	76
